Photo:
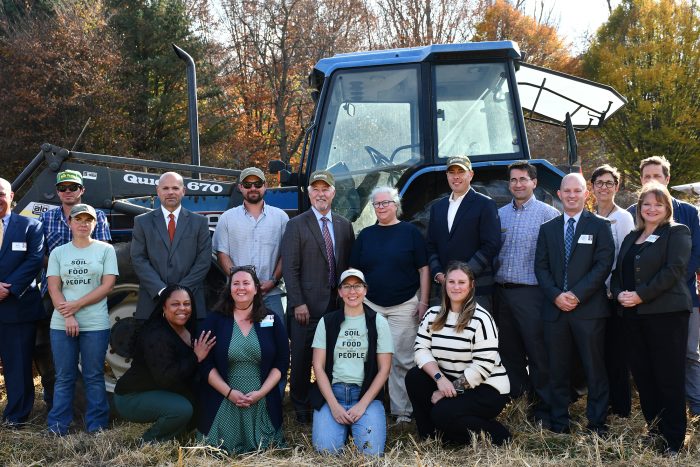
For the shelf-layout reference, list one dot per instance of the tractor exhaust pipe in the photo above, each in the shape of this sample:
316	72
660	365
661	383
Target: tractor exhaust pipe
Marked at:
191	106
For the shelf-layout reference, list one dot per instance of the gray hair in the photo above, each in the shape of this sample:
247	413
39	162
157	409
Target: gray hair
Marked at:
393	192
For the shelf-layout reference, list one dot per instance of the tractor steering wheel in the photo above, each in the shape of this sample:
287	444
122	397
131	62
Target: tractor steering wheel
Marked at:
378	158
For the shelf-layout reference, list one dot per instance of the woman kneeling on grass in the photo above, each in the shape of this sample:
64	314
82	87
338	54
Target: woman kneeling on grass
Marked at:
159	387
459	386
241	406
352	348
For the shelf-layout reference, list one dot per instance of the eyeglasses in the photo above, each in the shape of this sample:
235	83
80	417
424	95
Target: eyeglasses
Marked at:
72	187
247	268
356	287
383	204
606	184
521	180
248	185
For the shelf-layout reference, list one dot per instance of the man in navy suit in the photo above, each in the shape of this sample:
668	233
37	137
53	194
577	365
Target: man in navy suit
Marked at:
464	227
573	258
21	257
170	245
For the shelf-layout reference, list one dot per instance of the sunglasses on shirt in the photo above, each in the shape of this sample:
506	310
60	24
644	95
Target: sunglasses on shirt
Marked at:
248	185
64	188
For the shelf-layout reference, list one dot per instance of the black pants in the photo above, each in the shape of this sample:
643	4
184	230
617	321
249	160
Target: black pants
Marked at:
656	350
301	338
616	364
563	338
456	418
521	344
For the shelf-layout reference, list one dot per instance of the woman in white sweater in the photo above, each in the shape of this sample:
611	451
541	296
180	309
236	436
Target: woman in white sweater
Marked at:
459	386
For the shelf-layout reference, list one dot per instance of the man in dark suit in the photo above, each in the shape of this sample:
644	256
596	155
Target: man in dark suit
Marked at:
573	258
464	227
21	257
315	251
170	245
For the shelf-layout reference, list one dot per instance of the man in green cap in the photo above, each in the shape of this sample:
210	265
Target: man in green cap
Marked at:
70	189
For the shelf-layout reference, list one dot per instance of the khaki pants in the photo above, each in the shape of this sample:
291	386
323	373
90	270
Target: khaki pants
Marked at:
403	322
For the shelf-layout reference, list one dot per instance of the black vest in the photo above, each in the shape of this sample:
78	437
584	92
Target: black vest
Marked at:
332	322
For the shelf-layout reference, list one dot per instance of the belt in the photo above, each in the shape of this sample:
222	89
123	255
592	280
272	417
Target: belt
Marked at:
511	285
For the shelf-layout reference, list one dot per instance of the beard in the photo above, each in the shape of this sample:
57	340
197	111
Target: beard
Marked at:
253	198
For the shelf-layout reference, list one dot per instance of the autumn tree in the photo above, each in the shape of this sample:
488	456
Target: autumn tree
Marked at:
536	37
649	50
53	82
273	45
409	23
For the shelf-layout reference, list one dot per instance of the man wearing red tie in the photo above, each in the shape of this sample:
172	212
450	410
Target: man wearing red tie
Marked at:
170	245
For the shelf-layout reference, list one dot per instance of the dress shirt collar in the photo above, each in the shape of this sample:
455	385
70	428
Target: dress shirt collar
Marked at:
575	217
6	219
459	198
526	205
318	215
166	213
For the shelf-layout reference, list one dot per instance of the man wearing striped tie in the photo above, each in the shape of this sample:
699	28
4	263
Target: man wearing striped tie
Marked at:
315	249
573	258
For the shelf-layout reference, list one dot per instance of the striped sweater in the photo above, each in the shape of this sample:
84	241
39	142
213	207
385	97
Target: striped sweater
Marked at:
473	352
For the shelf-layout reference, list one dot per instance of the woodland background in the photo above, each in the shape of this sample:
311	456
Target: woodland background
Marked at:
63	62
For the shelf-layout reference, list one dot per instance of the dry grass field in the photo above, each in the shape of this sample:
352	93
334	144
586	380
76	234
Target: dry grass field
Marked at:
531	446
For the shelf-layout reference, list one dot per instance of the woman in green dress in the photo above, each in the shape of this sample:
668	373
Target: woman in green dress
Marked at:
241	411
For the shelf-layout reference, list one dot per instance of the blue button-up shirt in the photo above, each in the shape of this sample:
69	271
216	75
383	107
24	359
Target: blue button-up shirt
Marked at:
247	240
520	228
57	233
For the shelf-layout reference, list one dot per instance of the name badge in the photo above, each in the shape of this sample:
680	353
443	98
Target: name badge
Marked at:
652	238
19	246
267	321
586	239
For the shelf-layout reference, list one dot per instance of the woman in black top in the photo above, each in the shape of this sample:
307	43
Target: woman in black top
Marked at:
159	386
649	284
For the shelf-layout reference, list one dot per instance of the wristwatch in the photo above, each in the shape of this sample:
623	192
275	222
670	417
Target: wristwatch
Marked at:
437	376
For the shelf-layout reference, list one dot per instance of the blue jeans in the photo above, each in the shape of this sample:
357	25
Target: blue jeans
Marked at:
89	347
368	433
273	303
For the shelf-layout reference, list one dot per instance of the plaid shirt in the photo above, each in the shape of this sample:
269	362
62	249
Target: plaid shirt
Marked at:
57	233
519	231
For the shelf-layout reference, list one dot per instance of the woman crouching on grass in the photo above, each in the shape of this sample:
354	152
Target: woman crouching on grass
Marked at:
459	386
159	387
352	351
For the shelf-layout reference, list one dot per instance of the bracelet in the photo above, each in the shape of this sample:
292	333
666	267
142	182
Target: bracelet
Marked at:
229	392
421	303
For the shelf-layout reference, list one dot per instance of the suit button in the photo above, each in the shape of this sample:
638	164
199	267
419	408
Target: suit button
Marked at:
636	257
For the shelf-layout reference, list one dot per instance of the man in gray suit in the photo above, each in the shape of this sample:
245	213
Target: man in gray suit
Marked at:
170	245
315	250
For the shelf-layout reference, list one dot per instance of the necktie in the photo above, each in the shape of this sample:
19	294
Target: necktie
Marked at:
568	240
171	227
329	251
2	232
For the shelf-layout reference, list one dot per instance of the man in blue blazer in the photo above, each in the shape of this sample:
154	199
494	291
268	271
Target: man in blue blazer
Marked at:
21	257
657	168
573	258
170	245
464	227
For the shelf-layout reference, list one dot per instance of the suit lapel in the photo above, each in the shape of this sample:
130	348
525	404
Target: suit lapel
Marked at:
624	248
559	226
7	235
338	240
465	206
315	229
159	224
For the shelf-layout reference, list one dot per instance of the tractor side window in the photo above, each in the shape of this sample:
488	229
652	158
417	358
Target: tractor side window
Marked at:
474	111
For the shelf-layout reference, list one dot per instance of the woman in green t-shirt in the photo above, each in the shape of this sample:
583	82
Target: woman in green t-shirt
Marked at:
352	351
80	275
